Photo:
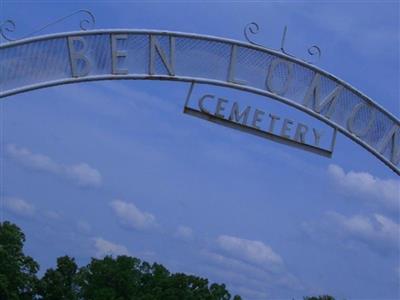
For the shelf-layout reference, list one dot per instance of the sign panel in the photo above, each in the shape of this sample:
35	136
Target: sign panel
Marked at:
258	121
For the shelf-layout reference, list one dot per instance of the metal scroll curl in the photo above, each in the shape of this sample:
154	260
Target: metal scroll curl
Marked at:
314	51
253	28
87	22
6	27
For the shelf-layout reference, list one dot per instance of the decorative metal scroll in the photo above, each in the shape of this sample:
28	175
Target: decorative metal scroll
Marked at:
253	29
141	54
87	22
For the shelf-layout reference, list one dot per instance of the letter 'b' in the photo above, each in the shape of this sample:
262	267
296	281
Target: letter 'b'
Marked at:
77	55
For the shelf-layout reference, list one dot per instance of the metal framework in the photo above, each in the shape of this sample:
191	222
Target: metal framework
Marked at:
312	90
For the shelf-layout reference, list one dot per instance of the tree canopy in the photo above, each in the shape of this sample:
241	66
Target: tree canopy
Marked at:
17	271
110	278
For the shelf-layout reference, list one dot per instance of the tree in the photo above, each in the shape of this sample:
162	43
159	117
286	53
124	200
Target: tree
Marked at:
127	278
120	278
18	279
61	283
110	279
322	297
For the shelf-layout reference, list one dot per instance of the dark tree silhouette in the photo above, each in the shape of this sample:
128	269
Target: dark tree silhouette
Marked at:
119	278
61	283
322	297
18	279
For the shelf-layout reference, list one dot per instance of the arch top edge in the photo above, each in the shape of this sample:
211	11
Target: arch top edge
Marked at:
209	38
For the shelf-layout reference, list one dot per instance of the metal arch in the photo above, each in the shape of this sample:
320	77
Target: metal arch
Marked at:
209	81
209	38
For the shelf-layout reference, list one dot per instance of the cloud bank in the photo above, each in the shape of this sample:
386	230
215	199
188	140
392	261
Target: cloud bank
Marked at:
251	267
82	174
19	207
365	185
255	252
376	230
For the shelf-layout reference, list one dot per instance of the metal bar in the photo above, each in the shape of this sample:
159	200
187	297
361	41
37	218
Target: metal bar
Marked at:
333	139
189	93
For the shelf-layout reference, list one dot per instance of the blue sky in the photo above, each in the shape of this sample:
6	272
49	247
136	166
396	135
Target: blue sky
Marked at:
117	168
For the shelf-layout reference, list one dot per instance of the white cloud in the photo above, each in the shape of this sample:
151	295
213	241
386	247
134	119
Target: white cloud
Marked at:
248	250
19	207
376	231
263	279
131	216
34	161
104	247
386	191
184	232
82	173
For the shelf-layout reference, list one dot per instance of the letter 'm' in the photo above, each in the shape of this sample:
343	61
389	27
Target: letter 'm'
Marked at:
236	115
313	98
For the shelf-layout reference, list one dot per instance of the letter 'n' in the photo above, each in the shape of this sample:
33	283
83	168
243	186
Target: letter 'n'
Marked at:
391	140
313	97
156	48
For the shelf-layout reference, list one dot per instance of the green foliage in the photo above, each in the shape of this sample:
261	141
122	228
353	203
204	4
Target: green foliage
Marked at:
127	278
18	279
322	297
61	283
120	278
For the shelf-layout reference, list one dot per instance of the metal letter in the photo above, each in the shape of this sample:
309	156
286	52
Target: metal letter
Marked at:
317	137
313	96
257	118
117	53
301	132
155	47
201	103
78	55
220	108
236	115
394	136
232	68
350	121
272	124
286	128
270	76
